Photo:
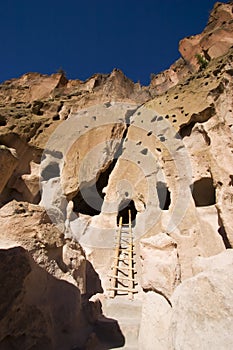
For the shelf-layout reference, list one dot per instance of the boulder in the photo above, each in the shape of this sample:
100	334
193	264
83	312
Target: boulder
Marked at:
202	307
156	313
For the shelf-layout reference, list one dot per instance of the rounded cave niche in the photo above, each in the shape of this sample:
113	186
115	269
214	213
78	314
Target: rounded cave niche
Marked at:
90	197
203	192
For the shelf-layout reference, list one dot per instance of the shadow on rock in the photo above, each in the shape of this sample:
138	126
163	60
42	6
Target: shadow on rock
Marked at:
93	282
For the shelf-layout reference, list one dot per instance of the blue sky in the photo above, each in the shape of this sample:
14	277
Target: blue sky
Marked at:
88	37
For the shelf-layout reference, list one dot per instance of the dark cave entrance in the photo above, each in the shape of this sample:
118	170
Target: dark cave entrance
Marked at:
123	212
89	198
164	195
203	192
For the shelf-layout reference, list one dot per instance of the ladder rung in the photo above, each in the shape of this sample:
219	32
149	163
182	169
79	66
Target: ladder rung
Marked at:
123	289
122	278
123	267
121	259
124	249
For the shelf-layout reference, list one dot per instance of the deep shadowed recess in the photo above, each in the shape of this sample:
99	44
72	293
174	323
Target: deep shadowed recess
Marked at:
164	195
89	199
123	212
203	192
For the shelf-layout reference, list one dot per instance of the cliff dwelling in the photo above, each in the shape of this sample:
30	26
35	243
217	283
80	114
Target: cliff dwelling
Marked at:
116	205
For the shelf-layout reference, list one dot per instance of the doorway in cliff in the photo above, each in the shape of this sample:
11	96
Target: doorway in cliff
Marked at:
123	211
203	192
164	195
90	197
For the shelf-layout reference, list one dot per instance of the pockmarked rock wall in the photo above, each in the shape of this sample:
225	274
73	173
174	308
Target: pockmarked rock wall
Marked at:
75	156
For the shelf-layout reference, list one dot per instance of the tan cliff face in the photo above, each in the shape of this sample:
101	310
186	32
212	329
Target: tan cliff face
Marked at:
77	155
215	41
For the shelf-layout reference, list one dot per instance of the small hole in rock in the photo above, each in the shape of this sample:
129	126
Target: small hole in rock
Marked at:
144	151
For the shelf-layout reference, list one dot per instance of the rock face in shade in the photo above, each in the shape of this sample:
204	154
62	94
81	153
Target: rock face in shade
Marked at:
33	312
8	163
75	156
29	226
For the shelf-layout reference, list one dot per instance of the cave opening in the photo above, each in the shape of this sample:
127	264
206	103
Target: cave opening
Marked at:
52	170
164	195
123	211
203	192
89	198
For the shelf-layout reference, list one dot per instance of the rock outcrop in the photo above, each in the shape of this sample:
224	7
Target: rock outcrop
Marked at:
75	157
61	257
198	50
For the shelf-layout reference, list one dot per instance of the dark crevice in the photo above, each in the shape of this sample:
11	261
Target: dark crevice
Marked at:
202	117
128	115
206	137
123	211
222	232
146	290
2	120
164	195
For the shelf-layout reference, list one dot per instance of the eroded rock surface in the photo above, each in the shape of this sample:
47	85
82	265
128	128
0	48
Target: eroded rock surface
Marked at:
33	311
202	311
160	264
75	156
30	226
197	50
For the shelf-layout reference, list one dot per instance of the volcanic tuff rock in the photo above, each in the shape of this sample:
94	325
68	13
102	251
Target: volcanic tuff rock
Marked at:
75	155
213	42
202	310
33	311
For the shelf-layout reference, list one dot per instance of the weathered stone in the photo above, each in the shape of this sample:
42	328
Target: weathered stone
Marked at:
8	161
170	161
155	321
202	312
160	264
30	226
37	310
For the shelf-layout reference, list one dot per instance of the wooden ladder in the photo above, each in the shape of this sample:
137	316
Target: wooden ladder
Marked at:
122	279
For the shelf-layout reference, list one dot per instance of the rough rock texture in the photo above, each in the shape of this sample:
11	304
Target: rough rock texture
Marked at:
216	39
8	163
202	311
29	226
75	156
33	312
213	42
160	264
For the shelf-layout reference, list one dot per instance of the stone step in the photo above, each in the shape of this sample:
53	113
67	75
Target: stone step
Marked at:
127	314
121	307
